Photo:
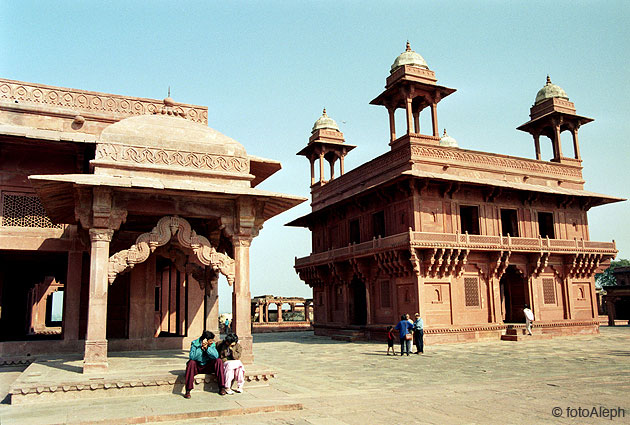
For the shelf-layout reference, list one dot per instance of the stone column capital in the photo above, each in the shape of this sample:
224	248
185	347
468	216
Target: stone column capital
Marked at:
242	240
101	235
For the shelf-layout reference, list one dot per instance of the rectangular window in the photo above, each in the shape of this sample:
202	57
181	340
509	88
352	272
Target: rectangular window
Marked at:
509	223
545	225
549	293
386	299
378	224
355	231
471	291
469	219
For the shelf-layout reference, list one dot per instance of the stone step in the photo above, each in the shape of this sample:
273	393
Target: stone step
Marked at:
22	391
520	337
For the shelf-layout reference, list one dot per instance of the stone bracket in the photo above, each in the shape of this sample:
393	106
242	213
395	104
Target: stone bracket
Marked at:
161	234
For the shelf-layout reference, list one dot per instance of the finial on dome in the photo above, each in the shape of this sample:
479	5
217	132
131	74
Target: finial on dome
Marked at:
445	133
408	49
548	79
324	113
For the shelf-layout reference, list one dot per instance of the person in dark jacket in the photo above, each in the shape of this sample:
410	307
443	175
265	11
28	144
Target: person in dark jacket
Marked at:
204	358
404	328
230	353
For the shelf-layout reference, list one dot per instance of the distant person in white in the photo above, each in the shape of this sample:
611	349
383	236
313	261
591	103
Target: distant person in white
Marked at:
529	318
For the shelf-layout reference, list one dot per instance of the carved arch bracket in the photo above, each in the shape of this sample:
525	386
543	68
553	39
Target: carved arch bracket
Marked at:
161	234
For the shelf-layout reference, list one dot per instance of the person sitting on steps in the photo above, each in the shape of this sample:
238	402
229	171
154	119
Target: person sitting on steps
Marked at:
230	353
204	358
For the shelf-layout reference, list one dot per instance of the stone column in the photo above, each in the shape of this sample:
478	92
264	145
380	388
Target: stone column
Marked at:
279	306
95	357
241	297
558	141
312	161
409	116
332	169
576	146
537	145
307	306
341	164
416	122
321	167
610	307
392	124
212	308
72	296
434	120
261	311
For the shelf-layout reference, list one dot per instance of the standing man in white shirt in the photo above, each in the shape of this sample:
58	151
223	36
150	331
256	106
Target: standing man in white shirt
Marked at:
529	318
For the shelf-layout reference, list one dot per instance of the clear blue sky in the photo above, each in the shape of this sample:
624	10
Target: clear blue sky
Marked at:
266	69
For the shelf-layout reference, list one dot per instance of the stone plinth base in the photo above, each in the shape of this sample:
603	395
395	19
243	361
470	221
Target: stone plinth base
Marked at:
129	374
281	327
454	334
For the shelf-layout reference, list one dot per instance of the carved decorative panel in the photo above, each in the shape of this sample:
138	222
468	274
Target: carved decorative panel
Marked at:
160	156
25	211
471	291
494	161
549	293
85	101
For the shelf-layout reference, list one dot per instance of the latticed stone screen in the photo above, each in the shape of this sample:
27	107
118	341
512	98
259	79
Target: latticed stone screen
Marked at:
25	211
549	294
471	291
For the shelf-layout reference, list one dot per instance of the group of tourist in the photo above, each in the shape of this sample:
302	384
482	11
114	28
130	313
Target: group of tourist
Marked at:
408	331
222	358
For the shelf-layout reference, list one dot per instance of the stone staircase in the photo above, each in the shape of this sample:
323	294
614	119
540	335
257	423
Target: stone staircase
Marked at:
518	333
348	335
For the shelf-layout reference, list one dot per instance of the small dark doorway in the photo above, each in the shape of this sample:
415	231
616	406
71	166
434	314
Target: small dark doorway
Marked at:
378	224
358	304
514	296
509	222
545	225
469	219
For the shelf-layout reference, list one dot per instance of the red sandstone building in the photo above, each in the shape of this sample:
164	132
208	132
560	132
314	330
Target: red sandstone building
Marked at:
130	208
466	238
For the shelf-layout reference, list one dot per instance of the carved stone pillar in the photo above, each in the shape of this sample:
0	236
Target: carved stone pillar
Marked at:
576	146
321	167
279	306
312	160
307	307
212	308
95	358
537	145
241	297
409	116
72	296
434	120
392	124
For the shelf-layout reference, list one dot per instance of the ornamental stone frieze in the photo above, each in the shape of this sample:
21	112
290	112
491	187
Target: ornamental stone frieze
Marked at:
159	156
161	234
92	102
489	160
443	262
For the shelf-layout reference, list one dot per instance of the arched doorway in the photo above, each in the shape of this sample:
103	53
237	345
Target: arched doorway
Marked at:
514	295
358	304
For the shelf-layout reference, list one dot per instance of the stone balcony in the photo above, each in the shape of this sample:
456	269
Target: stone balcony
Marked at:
426	240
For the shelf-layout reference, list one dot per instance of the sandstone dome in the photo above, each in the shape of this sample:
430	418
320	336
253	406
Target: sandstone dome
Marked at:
409	57
550	90
171	133
325	122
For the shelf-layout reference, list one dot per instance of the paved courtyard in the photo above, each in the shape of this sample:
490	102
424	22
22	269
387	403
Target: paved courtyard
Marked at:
356	383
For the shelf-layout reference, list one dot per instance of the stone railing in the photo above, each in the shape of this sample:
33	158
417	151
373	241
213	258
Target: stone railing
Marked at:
87	102
458	240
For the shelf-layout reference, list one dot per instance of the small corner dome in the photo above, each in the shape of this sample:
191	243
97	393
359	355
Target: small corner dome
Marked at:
550	90
409	57
448	141
171	133
325	122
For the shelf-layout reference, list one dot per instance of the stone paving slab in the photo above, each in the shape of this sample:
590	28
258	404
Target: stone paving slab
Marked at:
337	382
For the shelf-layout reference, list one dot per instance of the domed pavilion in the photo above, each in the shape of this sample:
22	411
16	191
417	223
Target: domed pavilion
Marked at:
138	208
